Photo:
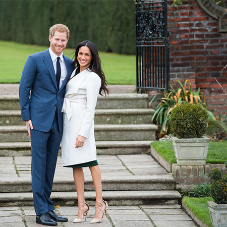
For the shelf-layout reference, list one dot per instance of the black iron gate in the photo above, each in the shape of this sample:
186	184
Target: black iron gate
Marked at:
152	51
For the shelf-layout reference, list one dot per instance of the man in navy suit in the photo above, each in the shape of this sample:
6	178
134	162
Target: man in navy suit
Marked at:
41	91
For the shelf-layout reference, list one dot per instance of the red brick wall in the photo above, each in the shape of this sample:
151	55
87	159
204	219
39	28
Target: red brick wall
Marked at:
187	177
198	52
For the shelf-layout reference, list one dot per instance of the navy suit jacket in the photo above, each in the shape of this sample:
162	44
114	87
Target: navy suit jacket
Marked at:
38	92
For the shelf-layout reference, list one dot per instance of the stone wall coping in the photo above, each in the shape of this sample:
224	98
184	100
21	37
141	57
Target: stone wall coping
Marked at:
160	160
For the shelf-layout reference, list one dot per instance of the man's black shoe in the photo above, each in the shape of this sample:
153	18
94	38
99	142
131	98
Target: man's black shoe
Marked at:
45	219
55	217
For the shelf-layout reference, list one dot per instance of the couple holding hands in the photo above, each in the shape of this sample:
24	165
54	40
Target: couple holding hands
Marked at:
58	98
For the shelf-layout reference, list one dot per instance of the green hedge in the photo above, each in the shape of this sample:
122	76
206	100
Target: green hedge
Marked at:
110	24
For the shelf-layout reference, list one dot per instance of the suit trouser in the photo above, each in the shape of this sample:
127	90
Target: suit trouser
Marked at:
44	151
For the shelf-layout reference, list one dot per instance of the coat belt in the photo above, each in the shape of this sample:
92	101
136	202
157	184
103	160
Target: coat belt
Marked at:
67	108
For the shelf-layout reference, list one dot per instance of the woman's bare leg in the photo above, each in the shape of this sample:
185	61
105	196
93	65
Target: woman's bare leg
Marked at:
78	175
96	176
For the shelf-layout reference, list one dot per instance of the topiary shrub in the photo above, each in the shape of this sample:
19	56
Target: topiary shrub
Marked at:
174	97
215	174
218	187
188	120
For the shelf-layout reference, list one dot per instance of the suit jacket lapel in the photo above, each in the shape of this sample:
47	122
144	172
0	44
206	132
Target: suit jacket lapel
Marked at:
49	64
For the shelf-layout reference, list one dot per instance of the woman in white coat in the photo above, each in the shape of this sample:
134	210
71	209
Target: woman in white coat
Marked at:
78	142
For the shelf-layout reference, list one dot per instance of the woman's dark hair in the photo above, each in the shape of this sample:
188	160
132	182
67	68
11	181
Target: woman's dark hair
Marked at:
95	63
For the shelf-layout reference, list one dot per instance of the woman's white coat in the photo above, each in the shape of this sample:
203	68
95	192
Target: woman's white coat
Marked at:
78	114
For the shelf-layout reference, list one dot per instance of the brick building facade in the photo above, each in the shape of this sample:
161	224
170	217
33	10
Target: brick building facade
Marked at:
198	50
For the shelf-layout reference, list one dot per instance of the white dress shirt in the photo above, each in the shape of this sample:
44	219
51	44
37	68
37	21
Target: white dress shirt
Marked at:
62	63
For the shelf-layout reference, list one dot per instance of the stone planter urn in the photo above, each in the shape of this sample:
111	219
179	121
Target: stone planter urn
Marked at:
191	151
218	214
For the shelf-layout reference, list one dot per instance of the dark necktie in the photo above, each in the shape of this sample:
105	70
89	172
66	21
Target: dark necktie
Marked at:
58	71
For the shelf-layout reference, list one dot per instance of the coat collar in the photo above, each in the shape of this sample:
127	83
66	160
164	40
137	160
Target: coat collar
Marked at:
77	81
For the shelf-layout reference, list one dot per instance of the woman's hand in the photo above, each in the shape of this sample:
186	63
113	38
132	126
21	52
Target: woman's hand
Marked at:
79	141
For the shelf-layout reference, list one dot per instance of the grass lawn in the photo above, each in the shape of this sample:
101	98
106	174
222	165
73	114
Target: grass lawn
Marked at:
199	207
119	69
165	149
217	152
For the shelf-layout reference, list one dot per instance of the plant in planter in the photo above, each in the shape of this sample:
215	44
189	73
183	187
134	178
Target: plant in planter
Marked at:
189	123
218	190
176	96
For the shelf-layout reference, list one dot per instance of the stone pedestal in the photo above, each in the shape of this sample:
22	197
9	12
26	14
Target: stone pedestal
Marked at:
218	214
191	151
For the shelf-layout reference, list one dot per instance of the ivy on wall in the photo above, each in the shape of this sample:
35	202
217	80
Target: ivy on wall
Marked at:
110	24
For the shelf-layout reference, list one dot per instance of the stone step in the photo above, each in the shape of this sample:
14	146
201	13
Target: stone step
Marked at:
122	147
111	101
102	116
103	148
136	132
11	117
9	102
123	101
109	183
117	198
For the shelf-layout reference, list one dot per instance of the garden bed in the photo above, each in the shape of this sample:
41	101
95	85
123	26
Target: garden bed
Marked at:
197	209
217	152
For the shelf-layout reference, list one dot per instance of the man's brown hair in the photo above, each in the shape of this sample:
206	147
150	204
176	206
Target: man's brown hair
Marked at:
59	28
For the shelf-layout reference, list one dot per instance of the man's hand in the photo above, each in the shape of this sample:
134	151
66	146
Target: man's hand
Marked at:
29	126
79	141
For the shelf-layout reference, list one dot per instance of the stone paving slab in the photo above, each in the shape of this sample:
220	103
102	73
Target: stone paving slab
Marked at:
5	213
140	216
6	159
13	224
11	217
118	216
182	217
127	223
175	224
112	166
160	211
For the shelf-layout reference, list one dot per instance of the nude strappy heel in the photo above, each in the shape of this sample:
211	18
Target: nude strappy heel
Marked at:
78	220
103	211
